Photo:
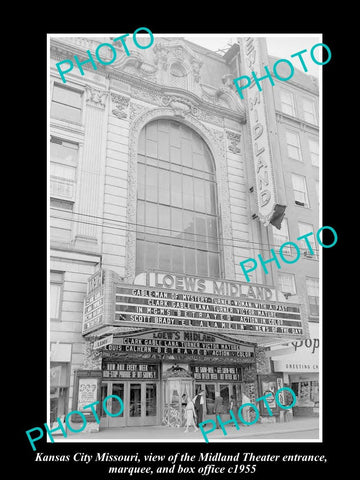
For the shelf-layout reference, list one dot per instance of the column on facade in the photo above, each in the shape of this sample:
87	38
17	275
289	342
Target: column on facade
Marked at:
88	224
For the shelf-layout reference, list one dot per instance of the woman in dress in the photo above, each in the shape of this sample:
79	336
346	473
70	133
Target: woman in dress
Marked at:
190	415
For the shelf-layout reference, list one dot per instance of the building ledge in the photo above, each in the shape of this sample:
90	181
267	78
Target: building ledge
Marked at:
73	254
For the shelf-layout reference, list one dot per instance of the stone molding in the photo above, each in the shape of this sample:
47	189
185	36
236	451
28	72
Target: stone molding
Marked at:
206	107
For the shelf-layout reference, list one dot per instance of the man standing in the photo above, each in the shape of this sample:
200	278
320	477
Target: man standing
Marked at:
199	406
218	408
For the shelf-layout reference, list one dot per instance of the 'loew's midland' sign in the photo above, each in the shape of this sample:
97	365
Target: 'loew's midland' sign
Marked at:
178	302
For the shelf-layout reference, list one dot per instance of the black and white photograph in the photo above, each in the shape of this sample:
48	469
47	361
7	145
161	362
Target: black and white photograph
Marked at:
185	237
186	244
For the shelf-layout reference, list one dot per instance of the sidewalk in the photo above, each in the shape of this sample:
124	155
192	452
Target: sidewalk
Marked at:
162	433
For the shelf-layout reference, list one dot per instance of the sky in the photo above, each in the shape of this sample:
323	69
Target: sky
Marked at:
278	46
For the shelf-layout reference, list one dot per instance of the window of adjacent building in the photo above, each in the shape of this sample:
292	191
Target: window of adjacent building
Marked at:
56	287
281	236
61	220
287	102
309	111
66	104
312	288
304	229
59	389
63	164
177	202
286	283
314	151
300	190
293	145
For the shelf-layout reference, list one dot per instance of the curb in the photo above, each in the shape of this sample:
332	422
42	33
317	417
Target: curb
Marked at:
270	432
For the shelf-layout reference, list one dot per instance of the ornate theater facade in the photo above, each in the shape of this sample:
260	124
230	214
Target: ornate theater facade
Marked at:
161	182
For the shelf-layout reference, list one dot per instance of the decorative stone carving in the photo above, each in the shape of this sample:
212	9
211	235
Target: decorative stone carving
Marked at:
233	141
136	65
121	104
196	66
142	93
206	116
180	105
136	110
187	105
96	97
249	373
92	358
84	42
219	135
161	56
179	52
227	80
224	96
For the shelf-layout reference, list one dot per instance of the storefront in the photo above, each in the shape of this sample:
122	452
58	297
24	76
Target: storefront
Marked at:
157	343
300	367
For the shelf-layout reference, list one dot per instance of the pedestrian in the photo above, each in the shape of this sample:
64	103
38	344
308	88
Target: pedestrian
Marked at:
288	400
233	404
199	402
190	415
218	408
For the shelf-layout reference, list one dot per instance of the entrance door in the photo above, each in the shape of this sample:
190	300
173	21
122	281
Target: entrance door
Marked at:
112	404
228	392
143	404
225	394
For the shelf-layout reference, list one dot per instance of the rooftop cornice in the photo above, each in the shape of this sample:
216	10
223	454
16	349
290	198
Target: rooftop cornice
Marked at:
61	51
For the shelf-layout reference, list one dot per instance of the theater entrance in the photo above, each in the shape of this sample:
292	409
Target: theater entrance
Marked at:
140	399
142	405
230	392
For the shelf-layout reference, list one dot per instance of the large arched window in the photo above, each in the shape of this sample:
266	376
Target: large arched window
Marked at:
177	213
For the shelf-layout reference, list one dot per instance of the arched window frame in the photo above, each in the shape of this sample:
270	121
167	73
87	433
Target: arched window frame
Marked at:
217	148
178	226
